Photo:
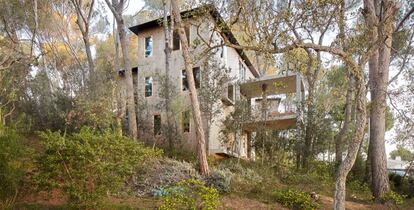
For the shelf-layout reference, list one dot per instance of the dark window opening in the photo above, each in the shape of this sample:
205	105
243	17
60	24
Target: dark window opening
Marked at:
186	121
230	92
157	124
242	71
148	46
222	49
176	38
148	86
184	80
196	76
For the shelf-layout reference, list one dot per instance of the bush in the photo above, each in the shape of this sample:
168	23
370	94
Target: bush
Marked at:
294	199
404	186
87	165
393	197
219	179
190	194
359	190
158	174
11	166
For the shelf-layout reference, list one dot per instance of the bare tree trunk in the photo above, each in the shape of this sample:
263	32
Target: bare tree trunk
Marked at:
117	9
167	50
339	141
380	18
201	148
121	104
83	21
346	165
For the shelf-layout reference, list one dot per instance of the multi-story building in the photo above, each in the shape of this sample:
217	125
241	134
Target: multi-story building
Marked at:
204	26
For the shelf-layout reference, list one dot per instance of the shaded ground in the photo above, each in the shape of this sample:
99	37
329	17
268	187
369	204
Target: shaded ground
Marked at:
229	202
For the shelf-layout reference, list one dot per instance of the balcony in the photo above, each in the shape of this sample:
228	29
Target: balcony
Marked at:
273	102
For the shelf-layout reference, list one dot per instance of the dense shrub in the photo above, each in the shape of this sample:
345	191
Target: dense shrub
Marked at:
403	186
219	179
359	190
11	165
393	197
87	165
158	174
294	199
190	194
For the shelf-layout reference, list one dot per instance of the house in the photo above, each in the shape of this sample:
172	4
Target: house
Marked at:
399	166
202	24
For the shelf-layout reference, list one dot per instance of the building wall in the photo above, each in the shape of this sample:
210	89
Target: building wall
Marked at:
154	66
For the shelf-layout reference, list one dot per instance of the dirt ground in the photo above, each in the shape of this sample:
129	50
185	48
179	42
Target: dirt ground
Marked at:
230	202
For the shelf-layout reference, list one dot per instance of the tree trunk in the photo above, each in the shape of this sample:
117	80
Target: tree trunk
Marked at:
132	118
201	149
89	54
380	21
167	50
310	128
83	23
346	165
117	8
121	104
339	141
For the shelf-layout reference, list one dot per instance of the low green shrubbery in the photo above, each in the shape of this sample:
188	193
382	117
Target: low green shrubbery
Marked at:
393	197
295	199
359	190
190	195
160	173
88	164
12	166
404	186
219	179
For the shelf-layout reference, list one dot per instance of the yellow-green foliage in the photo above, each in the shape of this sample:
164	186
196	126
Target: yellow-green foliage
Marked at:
295	199
88	164
190	195
393	197
12	166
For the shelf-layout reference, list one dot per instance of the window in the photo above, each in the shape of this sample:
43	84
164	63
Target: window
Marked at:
230	92
148	46
196	75
184	80
157	124
242	71
176	38
222	49
148	86
186	121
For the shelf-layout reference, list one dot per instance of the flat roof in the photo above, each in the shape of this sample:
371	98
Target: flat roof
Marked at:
225	29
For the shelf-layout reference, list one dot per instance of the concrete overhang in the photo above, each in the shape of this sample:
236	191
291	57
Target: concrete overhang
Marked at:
282	122
273	84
